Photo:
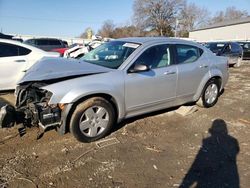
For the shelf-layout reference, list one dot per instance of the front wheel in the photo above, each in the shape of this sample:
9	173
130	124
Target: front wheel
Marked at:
210	94
92	119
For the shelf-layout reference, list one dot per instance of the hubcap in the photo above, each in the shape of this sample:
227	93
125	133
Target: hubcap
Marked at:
94	121
211	93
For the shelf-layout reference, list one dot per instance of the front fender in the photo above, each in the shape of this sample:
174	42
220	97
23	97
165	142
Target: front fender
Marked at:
77	93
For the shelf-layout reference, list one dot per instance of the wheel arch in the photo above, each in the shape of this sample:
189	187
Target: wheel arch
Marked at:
204	82
64	128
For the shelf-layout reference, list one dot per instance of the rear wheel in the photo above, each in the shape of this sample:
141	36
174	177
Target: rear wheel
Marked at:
210	94
92	119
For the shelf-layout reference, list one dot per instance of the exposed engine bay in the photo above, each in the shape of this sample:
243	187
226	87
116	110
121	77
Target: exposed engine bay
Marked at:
32	108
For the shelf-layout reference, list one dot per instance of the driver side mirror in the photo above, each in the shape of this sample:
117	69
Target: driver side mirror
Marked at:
139	68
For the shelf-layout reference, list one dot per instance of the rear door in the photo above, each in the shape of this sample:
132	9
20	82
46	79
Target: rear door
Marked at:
13	63
153	89
192	66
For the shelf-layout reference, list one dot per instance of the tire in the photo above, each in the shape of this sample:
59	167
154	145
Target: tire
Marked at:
208	100
92	119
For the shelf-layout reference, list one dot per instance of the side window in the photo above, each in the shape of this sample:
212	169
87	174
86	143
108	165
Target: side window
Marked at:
244	46
187	53
23	51
156	57
227	48
8	50
42	42
201	51
54	42
247	46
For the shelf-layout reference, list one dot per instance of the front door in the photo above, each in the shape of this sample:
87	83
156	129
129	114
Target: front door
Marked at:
153	89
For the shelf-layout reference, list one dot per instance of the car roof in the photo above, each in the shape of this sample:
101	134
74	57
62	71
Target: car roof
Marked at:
43	39
18	43
223	42
244	42
144	40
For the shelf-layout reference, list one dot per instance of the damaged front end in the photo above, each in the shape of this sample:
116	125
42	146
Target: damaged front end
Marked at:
32	108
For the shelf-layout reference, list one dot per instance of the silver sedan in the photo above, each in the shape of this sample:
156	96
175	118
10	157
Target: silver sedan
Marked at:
118	80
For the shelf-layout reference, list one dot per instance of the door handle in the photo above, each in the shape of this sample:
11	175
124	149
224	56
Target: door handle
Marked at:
169	72
20	60
203	66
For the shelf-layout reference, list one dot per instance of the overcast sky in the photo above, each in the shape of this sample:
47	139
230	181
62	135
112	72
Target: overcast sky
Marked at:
71	17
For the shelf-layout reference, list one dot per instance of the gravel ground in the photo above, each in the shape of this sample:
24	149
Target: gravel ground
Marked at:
208	148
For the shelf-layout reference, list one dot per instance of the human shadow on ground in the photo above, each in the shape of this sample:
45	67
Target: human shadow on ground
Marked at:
215	164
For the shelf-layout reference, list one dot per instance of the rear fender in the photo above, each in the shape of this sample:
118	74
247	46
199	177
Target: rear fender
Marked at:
206	78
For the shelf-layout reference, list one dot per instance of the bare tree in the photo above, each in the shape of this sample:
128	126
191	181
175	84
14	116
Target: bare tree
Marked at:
192	17
230	13
158	15
107	29
127	31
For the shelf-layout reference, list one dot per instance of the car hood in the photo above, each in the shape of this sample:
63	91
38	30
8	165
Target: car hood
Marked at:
60	68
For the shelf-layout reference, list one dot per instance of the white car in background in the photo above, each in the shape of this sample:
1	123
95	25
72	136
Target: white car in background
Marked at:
79	50
15	59
76	51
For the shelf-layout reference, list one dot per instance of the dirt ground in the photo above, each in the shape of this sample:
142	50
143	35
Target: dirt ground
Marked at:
208	148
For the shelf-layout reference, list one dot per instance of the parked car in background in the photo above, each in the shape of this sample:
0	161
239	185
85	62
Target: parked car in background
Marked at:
17	39
79	50
119	79
246	50
65	43
232	50
15	59
4	36
76	51
61	51
46	44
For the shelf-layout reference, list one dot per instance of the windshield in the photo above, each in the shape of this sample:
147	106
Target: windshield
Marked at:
111	54
215	47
